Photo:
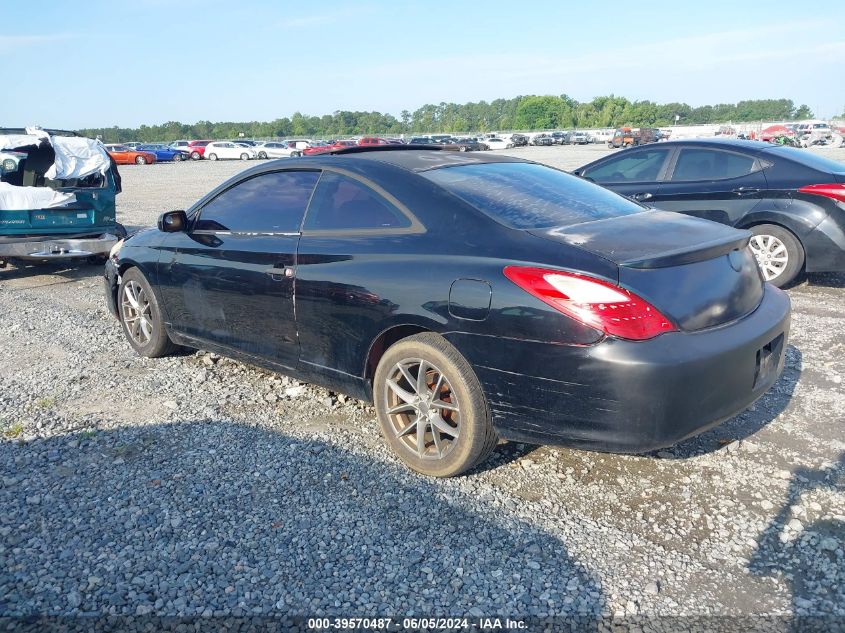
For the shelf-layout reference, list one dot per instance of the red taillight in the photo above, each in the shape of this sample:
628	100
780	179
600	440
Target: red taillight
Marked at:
597	303
833	190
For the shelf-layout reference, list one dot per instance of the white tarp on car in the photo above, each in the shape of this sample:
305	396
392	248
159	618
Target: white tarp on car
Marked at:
11	141
76	156
14	198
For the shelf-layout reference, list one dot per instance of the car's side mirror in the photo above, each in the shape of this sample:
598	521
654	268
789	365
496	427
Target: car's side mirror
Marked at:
173	221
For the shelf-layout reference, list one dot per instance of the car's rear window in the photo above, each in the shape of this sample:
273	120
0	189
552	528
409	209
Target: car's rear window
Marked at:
808	159
531	196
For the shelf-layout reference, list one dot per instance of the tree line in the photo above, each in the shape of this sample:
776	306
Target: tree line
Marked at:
520	113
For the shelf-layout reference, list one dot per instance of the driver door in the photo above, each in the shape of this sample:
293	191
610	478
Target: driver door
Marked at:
229	281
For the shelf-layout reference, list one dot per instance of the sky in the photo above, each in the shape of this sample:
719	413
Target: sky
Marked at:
101	63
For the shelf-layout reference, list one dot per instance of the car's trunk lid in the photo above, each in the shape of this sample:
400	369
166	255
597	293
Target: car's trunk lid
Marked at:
698	273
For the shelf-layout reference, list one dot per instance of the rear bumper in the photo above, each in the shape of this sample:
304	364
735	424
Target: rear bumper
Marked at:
625	396
58	247
825	245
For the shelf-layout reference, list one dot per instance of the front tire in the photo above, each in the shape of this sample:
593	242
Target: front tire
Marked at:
140	160
196	155
431	408
244	156
262	155
779	253
141	318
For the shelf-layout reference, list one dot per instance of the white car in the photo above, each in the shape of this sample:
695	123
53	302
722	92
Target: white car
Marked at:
498	143
183	145
276	149
217	150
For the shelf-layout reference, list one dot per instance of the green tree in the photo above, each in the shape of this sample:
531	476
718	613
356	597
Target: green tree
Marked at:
803	112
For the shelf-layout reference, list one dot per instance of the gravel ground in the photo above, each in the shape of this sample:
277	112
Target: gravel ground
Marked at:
195	485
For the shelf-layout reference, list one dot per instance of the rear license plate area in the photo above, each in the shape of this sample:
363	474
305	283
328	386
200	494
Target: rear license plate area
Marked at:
768	358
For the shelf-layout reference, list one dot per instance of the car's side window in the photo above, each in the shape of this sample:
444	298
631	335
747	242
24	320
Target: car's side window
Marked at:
637	166
711	164
343	203
273	202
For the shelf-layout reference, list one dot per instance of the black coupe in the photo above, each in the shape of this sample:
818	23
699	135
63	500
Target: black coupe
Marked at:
473	297
793	201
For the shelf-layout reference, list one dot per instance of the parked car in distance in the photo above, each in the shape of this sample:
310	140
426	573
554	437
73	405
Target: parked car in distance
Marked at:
328	147
560	138
542	139
276	149
56	210
372	140
791	200
164	153
183	145
539	332
464	145
495	142
132	144
300	144
123	155
519	140
196	149
220	150
420	140
579	138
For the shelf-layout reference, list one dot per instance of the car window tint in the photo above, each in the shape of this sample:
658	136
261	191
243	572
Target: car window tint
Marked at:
709	164
638	166
268	203
530	196
342	203
808	159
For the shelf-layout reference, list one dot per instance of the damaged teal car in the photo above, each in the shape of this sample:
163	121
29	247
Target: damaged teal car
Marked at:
57	196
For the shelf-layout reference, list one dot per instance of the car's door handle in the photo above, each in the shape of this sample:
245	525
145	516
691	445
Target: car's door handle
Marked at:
279	273
746	191
644	195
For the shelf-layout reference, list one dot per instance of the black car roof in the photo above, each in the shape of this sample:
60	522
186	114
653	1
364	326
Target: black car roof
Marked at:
414	160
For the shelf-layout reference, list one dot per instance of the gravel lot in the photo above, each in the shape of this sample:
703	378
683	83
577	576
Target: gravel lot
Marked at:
195	485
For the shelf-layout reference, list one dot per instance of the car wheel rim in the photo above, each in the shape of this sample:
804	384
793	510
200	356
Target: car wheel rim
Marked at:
137	313
771	254
422	408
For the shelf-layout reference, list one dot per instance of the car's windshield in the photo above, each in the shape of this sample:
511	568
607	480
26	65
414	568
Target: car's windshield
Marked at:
530	196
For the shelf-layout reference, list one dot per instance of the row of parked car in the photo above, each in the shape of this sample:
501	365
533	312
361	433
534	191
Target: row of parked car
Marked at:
244	149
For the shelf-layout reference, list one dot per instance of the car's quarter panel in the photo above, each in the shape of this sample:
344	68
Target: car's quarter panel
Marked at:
629	396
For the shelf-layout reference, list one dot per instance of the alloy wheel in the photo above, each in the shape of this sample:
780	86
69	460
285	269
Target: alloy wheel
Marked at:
137	313
771	254
422	408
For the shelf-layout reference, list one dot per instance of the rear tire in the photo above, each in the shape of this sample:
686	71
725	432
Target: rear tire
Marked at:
244	156
196	155
262	155
141	317
140	160
447	406
779	253
212	157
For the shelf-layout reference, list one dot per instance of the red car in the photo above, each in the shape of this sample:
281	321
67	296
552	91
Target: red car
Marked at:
196	149
320	149
373	140
124	155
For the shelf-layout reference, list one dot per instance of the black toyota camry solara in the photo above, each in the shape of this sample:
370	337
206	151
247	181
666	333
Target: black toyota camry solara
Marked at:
472	297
